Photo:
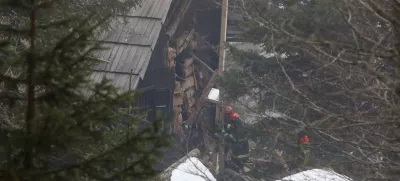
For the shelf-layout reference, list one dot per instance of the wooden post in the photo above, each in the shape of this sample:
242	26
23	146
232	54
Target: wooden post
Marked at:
221	66
222	39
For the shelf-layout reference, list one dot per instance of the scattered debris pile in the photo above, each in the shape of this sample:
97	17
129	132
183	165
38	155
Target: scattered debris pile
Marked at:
190	79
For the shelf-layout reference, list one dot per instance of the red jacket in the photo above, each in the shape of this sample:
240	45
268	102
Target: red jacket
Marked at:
233	116
304	140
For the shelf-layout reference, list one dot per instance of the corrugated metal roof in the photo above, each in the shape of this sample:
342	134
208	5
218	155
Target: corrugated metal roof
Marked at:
131	42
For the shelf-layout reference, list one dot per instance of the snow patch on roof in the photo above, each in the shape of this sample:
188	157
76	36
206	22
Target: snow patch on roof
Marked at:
192	170
316	175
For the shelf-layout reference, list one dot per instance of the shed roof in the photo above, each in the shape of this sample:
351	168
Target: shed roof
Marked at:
130	44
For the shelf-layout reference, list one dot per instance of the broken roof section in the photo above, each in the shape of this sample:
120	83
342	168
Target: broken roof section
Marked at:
130	44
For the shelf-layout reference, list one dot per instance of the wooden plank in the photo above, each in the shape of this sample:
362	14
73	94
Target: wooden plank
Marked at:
133	50
134	83
221	67
134	36
178	100
139	9
154	35
188	71
156	8
136	28
221	147
177	20
183	40
108	52
123	60
194	76
110	59
171	57
144	63
190	92
222	40
138	63
117	31
128	31
139	56
148	8
192	102
178	88
177	109
142	30
147	33
139	26
177	119
163	10
166	8
189	82
203	95
103	55
114	60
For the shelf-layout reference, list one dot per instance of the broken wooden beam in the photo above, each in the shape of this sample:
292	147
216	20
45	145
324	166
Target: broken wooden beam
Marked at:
201	101
206	42
198	60
183	8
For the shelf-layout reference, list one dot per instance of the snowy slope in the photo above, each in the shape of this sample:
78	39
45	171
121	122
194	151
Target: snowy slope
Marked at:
192	170
316	175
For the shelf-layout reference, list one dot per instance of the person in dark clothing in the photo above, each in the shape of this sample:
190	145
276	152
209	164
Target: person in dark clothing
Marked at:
234	132
180	60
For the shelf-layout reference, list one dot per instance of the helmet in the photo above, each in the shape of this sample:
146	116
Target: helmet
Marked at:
228	109
234	116
305	140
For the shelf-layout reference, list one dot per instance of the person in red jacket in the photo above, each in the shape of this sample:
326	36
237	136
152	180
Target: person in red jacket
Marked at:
229	114
303	138
230	119
304	141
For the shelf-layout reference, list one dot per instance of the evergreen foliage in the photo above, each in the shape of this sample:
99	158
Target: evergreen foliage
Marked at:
337	81
56	124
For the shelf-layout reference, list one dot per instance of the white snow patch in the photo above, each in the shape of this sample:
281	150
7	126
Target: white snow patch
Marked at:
316	175
214	94
258	48
274	114
192	170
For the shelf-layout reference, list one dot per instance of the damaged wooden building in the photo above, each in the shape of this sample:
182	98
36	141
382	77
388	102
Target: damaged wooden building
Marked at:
170	51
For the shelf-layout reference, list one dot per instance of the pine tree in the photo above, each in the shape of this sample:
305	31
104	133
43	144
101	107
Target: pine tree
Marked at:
56	124
338	80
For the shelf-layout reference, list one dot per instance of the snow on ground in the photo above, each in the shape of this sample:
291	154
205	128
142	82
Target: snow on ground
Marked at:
258	48
192	170
316	175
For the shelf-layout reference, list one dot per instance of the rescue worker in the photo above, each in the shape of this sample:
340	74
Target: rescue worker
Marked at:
303	142
180	60
236	139
228	125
